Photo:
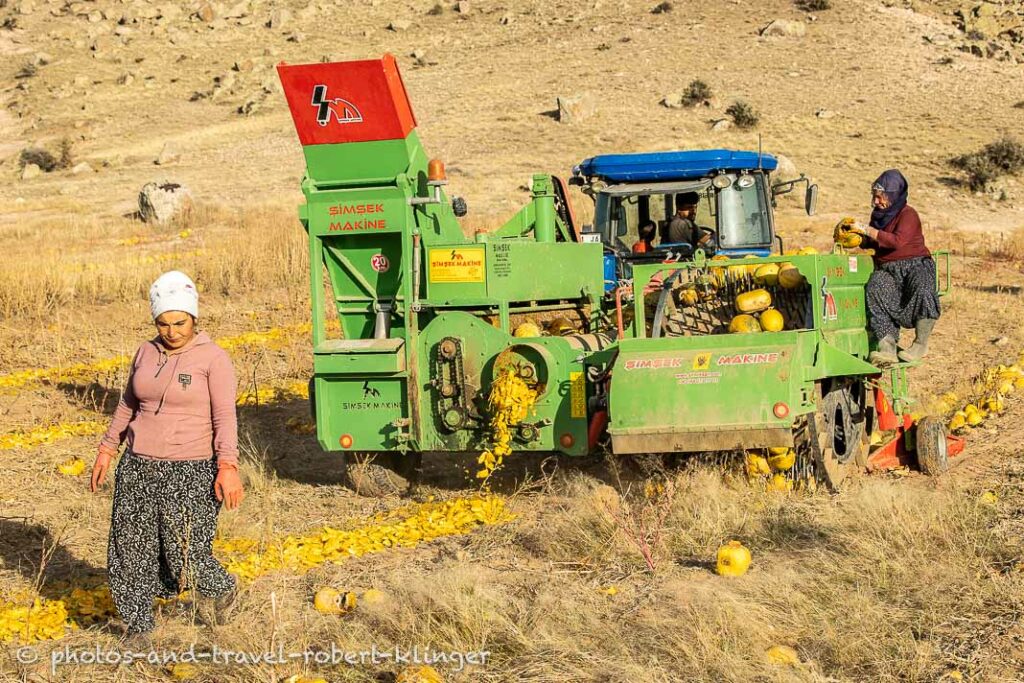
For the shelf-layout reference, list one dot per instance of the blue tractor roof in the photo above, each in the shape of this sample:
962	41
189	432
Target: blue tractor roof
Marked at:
689	165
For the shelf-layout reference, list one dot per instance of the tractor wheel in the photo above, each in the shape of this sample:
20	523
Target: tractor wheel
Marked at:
843	444
378	475
932	454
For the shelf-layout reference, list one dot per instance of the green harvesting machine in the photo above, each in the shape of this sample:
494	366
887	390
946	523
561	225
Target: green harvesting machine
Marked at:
628	352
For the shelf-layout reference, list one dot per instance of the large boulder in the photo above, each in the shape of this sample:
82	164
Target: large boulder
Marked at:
574	109
162	202
784	28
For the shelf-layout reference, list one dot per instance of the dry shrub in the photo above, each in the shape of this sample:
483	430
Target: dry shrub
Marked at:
1004	156
814	5
696	92
743	115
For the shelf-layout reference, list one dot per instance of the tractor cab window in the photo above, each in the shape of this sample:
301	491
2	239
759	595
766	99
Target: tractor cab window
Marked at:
743	214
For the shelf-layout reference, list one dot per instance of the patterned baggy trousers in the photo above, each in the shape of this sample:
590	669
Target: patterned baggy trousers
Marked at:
899	294
161	535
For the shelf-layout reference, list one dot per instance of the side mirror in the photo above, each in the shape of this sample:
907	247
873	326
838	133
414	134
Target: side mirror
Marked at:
811	199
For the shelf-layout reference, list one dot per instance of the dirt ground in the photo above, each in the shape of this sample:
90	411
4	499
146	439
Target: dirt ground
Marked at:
899	577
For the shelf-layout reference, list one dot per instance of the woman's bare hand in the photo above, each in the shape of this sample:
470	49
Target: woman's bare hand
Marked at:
228	487
99	470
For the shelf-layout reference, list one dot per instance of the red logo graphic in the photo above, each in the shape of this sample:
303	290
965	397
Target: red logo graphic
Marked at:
380	263
828	309
342	110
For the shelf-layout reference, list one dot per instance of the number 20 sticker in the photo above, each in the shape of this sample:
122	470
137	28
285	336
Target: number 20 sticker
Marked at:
380	263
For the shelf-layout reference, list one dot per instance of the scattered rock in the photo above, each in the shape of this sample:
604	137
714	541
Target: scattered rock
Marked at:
824	113
279	18
237	11
662	8
82	167
168	155
506	19
673	100
161	202
42	59
103	45
31	171
574	109
784	28
397	25
462	7
82	81
127	78
1001	341
720	125
786	170
205	13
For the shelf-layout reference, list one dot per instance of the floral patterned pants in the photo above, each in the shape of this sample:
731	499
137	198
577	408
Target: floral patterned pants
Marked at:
899	294
161	535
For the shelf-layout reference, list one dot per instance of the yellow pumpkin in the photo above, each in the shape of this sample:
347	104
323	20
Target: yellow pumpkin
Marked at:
372	596
783	654
527	329
753	301
688	297
767	274
733	559
782	461
790	277
419	674
757	465
806	251
744	324
780	482
332	601
772	321
850	240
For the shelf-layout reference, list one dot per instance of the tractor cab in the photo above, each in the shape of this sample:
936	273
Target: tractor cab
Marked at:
637	195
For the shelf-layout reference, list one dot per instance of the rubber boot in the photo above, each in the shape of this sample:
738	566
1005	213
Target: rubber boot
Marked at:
920	346
885	354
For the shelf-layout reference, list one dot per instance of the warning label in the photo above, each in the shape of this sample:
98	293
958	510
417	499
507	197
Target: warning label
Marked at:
577	395
456	264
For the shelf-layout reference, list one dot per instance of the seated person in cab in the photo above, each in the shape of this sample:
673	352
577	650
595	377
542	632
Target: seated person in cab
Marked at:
645	245
683	228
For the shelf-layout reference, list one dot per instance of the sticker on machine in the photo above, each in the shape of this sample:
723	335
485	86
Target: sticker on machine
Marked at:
853	264
577	395
702	361
747	359
380	263
456	264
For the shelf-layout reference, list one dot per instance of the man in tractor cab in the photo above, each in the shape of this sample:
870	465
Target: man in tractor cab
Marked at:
645	245
683	228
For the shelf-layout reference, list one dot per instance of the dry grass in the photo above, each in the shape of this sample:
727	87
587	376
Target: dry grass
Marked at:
83	261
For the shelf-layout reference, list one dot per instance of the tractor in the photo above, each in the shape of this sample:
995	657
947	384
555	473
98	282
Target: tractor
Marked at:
629	353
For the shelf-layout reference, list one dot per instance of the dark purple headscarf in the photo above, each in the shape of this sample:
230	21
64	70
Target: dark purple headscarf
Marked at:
895	187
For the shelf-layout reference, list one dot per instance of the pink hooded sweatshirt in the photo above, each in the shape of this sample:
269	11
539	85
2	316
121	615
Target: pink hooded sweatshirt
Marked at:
178	405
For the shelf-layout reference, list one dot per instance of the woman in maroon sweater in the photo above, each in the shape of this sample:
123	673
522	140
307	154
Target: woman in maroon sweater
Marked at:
901	291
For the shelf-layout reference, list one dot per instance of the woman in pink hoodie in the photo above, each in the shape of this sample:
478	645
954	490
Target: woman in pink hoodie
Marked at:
177	416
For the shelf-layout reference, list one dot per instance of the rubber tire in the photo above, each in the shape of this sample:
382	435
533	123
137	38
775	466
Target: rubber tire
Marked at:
831	471
932	448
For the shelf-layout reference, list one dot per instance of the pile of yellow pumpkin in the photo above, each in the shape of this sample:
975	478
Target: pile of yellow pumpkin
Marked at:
987	396
767	467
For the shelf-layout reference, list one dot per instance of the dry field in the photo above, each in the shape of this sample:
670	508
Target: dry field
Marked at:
898	578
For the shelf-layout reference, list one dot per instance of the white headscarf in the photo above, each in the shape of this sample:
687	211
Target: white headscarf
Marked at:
173	291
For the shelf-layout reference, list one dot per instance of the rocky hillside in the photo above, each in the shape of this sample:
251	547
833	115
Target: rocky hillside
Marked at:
143	90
